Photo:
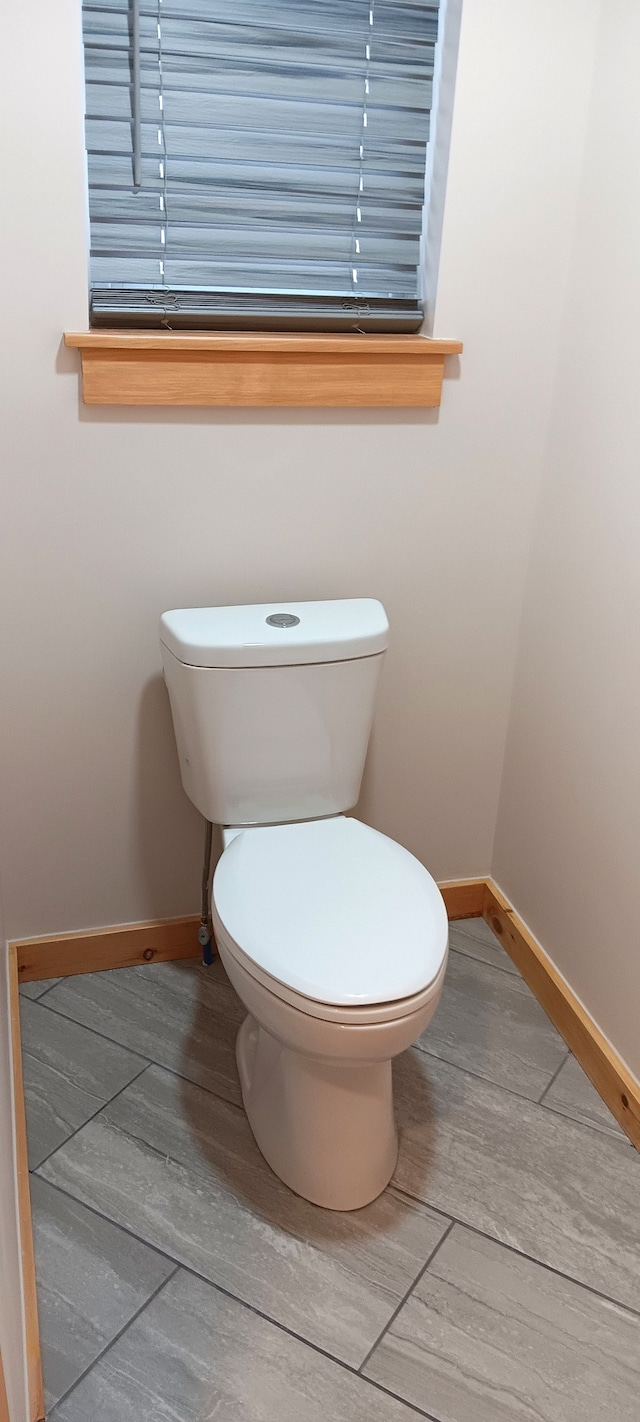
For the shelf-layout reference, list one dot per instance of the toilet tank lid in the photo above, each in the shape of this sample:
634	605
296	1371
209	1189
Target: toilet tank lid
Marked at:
271	634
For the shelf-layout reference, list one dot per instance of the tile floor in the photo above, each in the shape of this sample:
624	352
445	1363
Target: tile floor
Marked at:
497	1278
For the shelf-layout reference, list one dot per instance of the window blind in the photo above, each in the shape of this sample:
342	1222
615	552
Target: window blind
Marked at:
257	165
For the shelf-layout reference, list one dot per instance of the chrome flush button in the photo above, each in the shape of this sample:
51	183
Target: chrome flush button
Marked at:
282	619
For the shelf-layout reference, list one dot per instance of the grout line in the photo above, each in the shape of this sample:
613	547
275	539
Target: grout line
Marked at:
114	1340
56	983
228	1293
150	1061
434	1208
494	1085
94	1030
488	1080
476	935
523	1254
600	1130
450	1222
38	998
403	1301
93	1210
237	1106
91	1118
482	963
315	1347
242	1303
555	1074
204	1278
197	1085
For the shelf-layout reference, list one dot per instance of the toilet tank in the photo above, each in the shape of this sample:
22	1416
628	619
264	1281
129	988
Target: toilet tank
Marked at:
272	705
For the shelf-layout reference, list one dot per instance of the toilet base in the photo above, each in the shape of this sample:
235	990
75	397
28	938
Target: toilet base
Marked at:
326	1128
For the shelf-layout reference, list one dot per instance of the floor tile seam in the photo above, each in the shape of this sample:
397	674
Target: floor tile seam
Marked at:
307	1342
127	1135
600	1130
171	1071
152	1061
222	1288
556	1074
579	1125
211	1283
112	1341
154	1150
149	1061
512	972
523	1254
197	1085
39	996
560	1273
477	1076
91	1118
50	988
251	1308
171	1258
191	1269
407	1295
104	1037
108	1219
467	924
493	967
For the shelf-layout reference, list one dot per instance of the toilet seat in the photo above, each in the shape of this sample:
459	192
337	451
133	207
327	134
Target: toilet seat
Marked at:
332	917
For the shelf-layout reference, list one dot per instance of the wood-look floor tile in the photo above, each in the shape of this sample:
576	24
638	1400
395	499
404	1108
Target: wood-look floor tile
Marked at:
474	937
573	1095
490	1023
488	1336
561	1192
180	1015
194	1355
69	1073
92	1278
179	1167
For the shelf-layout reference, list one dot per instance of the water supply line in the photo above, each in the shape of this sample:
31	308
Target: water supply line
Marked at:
205	930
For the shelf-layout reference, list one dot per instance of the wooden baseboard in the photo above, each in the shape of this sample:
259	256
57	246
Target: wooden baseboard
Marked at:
464	898
4	1405
32	1332
612	1079
64	954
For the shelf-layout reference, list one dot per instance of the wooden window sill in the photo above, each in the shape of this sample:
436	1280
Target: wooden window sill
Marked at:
234	368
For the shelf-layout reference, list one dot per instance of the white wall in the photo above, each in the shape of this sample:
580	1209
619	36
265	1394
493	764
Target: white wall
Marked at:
12	1342
568	839
110	516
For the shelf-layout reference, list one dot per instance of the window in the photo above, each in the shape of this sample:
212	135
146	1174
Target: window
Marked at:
258	163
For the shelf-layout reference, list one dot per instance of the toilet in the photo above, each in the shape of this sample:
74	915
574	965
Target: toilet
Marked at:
333	935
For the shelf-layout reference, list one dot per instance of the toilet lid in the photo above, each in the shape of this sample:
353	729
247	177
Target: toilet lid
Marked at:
333	909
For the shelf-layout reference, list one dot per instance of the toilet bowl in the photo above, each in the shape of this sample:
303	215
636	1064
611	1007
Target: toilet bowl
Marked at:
335	939
334	936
